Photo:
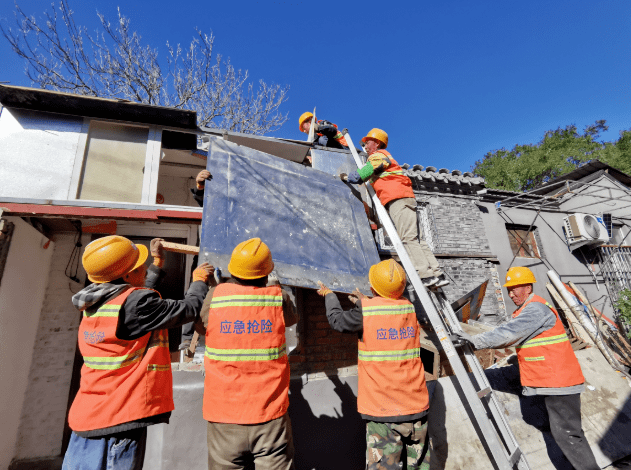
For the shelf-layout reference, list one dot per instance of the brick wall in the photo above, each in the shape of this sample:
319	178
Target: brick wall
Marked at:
321	348
45	404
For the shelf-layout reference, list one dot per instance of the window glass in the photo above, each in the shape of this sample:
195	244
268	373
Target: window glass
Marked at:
114	163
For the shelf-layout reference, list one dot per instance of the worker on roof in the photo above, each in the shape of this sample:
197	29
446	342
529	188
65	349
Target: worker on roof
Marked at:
394	190
547	363
327	132
392	396
126	381
246	388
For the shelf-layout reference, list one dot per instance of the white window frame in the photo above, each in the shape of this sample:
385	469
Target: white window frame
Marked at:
152	160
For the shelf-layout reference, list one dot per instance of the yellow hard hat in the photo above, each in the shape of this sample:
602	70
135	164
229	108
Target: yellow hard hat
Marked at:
303	118
251	259
112	257
387	278
379	135
518	275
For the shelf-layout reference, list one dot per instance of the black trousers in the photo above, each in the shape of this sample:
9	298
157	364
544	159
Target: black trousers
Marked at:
564	412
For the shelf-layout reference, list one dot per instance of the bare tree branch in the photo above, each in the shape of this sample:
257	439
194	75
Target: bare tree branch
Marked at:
60	55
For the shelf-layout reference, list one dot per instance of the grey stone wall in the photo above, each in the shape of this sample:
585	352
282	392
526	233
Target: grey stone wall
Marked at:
458	229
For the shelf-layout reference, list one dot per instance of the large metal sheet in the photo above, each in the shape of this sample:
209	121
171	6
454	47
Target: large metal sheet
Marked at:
315	227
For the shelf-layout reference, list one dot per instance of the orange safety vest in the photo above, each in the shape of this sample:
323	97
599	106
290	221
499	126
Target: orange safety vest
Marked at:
392	183
548	360
390	371
339	136
247	372
121	381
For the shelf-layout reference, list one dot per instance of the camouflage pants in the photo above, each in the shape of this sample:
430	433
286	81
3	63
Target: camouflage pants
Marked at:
390	445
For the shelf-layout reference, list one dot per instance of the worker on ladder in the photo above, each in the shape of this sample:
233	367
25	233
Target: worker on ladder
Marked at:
547	363
327	132
392	395
394	190
246	387
126	381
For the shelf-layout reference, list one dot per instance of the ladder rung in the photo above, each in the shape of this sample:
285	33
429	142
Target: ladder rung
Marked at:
485	392
515	456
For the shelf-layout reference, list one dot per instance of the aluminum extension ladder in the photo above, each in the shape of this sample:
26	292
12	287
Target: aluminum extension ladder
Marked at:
489	415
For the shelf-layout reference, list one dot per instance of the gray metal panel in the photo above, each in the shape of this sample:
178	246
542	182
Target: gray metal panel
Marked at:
315	227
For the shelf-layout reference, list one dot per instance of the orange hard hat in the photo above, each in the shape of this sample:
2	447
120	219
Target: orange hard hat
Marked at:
387	278
112	257
519	275
303	118
251	259
379	135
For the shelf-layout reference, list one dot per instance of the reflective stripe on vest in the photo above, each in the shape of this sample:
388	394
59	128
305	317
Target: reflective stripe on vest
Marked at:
111	363
388	310
105	311
391	173
247	301
401	355
270	354
544	341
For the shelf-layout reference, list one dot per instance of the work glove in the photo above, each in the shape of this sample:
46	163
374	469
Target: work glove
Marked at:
354	178
356	296
203	273
157	251
323	290
201	178
460	338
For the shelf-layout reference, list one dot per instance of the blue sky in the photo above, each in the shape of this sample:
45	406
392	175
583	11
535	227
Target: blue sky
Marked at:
449	81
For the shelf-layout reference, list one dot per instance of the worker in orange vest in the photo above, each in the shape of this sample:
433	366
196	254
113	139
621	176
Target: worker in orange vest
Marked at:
392	396
547	363
327	132
246	388
126	381
394	190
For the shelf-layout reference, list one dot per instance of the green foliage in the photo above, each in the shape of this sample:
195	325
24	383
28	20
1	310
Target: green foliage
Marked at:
623	304
560	151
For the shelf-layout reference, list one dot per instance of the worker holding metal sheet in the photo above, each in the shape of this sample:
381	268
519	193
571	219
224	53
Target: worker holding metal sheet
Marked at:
392	394
246	386
394	190
126	381
547	363
327	132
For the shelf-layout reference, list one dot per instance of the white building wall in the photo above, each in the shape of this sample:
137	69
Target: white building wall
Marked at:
46	399
21	297
37	153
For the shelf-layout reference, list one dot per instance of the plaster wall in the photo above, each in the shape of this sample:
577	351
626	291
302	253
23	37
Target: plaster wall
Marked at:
571	266
43	414
21	298
37	153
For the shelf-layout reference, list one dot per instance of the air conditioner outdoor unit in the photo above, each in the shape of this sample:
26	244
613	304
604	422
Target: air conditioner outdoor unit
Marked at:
585	229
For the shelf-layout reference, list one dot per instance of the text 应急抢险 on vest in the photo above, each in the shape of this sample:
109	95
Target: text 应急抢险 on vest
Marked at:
247	372
390	372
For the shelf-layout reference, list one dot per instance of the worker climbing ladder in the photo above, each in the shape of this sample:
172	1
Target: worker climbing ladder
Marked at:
488	413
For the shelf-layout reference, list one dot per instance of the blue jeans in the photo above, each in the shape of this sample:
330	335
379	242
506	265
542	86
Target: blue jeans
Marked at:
122	451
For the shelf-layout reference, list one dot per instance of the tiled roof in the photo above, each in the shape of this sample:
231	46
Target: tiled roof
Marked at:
431	175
